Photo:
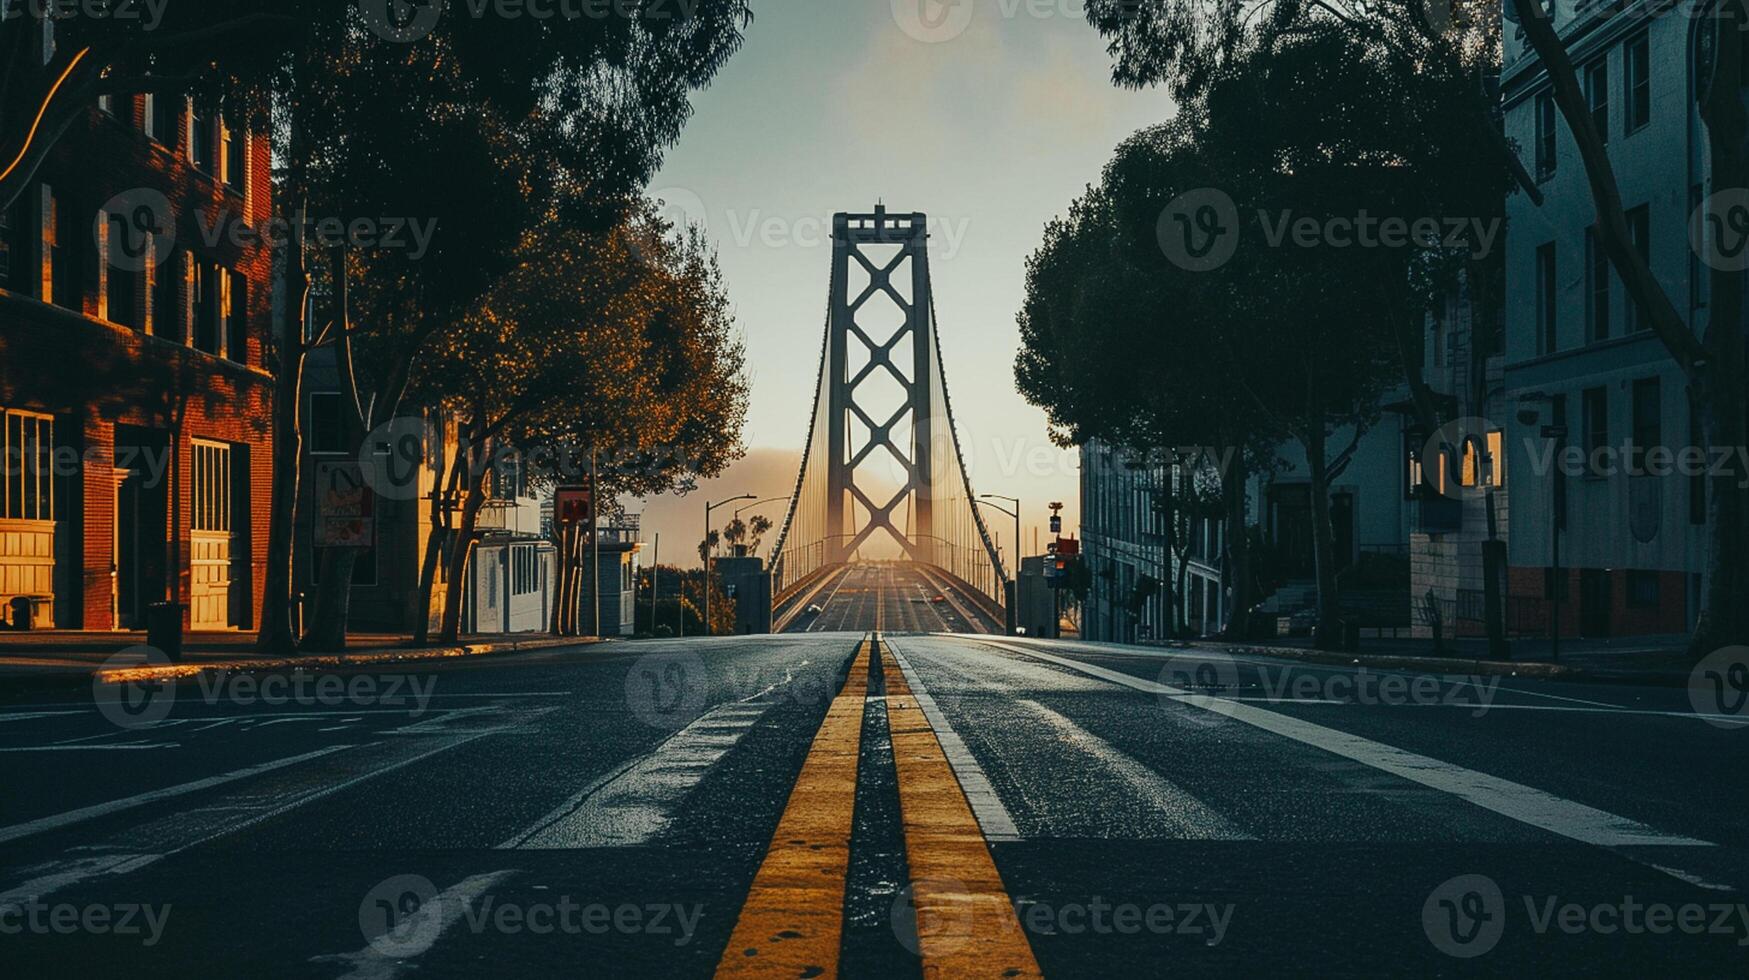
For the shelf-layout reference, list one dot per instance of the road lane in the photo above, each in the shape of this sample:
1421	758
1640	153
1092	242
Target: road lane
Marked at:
1139	807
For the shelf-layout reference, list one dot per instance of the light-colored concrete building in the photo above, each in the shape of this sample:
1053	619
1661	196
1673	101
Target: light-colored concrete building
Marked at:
1578	354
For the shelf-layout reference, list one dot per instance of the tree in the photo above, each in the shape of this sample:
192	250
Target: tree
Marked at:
568	349
1188	43
569	130
758	527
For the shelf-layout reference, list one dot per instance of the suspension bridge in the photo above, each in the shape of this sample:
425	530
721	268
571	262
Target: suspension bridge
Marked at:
883	529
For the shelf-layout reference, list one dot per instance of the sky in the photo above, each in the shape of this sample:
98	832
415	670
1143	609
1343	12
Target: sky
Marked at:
990	116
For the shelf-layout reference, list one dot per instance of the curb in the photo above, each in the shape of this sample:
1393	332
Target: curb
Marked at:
1541	670
58	679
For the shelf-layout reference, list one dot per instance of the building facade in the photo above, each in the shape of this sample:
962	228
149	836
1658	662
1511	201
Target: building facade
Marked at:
1579	355
134	390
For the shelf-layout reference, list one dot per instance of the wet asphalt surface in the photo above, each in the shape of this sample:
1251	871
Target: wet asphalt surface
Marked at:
602	811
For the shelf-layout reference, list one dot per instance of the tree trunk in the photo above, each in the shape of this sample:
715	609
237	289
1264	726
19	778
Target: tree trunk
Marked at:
462	551
1323	540
327	630
1718	386
434	542
276	628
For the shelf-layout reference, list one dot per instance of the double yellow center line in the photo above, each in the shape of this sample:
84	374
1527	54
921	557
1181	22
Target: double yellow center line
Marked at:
792	922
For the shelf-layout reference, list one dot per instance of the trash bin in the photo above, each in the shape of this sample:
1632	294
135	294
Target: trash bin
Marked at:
21	612
164	628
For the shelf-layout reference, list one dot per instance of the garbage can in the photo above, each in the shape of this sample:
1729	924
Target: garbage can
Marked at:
164	628
21	613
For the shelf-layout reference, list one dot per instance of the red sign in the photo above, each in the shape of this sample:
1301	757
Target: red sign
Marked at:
571	504
1068	547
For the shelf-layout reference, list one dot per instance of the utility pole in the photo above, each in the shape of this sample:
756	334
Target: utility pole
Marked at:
655	569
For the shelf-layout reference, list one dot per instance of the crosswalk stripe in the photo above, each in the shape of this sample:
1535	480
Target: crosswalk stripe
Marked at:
791	924
966	924
1525	804
1176	813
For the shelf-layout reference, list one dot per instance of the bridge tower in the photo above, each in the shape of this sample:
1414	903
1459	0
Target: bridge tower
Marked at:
893	251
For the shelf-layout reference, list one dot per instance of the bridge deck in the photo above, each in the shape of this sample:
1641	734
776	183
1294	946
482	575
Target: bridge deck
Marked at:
896	597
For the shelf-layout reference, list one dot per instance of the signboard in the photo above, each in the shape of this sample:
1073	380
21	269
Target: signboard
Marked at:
1068	547
345	507
1056	524
571	504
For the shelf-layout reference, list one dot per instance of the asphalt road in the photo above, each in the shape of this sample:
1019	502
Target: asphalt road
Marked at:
893	595
607	810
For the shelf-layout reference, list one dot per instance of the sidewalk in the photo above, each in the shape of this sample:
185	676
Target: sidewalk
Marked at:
61	658
1660	660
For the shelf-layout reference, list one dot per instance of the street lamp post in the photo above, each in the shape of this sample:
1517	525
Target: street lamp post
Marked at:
708	507
737	512
1013	573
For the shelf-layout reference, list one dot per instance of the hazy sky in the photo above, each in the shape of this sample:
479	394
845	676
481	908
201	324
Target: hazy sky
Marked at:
988	115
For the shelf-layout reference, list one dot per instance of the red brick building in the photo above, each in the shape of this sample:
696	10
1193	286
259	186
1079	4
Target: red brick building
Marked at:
135	302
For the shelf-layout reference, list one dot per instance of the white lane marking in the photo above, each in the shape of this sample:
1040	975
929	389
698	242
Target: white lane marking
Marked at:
92	748
182	831
1183	816
59	820
1523	803
815	626
33	715
993	816
1557	697
636	803
384	960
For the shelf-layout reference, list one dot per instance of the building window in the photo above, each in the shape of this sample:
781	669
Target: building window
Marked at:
11	251
1643	591
1597	96
1648	420
167	283
1596	408
1699	277
121	284
1640	232
235	145
212	487
1546	320
1558	411
327	428
27	442
207	305
236	315
61	256
1597	290
200	138
1636	84
1545	135
161	118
